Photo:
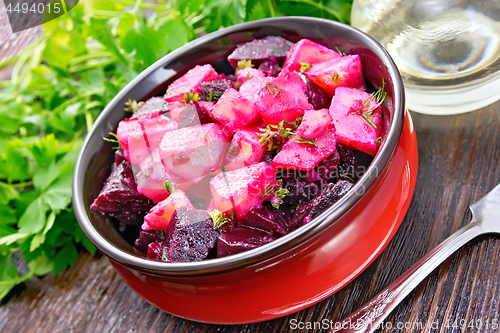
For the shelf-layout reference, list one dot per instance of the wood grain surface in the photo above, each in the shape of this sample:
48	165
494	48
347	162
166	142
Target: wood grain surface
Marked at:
458	164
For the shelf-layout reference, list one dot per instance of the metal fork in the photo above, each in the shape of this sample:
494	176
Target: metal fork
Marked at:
485	219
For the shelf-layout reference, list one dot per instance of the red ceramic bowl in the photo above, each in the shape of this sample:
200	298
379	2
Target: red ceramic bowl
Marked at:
299	269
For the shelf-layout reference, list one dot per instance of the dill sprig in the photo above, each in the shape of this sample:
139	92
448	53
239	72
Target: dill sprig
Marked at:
305	66
297	138
273	89
274	136
348	176
340	52
336	78
218	218
115	140
277	192
169	185
367	110
132	106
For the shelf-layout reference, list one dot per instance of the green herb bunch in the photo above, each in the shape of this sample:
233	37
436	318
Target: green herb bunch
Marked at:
58	87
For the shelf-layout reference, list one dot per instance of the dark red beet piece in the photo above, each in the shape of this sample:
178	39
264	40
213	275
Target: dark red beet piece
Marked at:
301	185
329	195
147	237
154	104
353	163
268	156
327	168
119	197
158	251
266	218
260	49
119	156
271	67
315	96
215	88
192	235
240	239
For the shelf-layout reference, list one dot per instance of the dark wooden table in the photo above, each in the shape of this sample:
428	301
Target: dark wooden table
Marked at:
458	164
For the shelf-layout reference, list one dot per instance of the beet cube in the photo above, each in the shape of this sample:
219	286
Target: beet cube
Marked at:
147	237
270	67
119	197
266	218
240	239
260	49
329	195
211	91
192	235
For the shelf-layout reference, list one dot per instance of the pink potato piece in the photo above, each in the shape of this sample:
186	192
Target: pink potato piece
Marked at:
314	123
160	215
140	136
189	114
250	88
194	152
304	156
190	82
234	111
307	52
248	73
241	190
352	129
245	148
150	179
283	98
343	71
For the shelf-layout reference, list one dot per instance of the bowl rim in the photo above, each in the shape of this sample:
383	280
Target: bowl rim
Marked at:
283	244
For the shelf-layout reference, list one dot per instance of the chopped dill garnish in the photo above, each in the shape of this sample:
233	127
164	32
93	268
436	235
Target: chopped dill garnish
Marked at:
299	139
336	78
273	89
274	136
218	218
367	111
348	176
304	66
169	185
115	140
379	141
164	254
278	191
340	52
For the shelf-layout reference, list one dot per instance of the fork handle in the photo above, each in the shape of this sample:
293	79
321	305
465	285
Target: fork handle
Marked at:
371	315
